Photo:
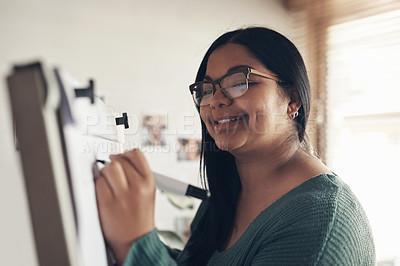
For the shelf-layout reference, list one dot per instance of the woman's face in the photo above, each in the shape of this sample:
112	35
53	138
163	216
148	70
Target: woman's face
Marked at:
256	120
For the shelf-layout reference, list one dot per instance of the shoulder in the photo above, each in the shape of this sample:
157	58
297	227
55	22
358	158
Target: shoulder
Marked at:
324	195
324	202
327	221
348	232
316	199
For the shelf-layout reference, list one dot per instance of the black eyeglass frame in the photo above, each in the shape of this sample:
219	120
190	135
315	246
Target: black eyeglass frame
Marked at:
247	71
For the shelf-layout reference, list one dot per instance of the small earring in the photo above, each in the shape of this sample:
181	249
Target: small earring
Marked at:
294	115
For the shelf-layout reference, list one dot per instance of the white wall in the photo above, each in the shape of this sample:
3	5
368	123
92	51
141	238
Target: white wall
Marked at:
142	55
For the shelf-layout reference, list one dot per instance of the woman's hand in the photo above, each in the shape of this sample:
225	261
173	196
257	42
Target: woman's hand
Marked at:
125	193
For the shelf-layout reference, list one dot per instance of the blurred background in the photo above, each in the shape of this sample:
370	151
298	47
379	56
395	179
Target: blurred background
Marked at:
144	54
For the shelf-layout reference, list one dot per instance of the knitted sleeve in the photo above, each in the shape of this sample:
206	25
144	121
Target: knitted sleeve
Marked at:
329	228
350	241
149	250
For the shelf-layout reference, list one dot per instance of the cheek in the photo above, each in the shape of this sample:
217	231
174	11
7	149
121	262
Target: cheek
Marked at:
204	115
264	116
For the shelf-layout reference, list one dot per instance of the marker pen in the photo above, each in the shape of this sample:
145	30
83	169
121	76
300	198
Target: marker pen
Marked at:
169	184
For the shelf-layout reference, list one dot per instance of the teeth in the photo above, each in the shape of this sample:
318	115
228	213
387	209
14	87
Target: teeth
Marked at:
223	121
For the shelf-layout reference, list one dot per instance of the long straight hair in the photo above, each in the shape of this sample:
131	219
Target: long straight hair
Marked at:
218	168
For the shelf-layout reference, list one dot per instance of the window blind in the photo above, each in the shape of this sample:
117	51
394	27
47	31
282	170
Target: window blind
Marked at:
353	54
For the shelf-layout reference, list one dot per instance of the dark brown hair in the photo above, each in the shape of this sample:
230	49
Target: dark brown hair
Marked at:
218	168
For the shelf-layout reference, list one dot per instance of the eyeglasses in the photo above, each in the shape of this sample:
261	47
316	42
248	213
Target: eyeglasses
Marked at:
233	85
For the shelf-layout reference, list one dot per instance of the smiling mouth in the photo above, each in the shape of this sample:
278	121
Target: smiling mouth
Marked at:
228	120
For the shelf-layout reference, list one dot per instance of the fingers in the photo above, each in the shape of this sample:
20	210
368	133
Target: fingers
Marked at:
116	178
103	191
137	160
131	173
125	191
126	171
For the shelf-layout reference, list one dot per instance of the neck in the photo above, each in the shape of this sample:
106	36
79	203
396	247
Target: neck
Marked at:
264	168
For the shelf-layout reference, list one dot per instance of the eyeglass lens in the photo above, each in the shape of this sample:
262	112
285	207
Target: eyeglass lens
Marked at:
233	86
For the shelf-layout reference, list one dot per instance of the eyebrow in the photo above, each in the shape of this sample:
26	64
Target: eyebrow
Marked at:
229	70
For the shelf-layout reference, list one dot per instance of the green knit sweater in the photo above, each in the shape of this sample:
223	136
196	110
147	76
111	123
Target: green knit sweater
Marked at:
320	222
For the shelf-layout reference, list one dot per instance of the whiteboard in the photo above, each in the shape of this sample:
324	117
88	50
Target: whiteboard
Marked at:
60	134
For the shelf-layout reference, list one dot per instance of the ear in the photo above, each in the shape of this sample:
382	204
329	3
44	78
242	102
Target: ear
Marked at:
295	102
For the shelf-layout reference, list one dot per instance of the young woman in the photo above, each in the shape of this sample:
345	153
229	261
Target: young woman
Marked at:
272	202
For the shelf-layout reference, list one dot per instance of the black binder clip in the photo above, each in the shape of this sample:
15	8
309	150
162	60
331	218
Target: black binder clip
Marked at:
86	92
122	120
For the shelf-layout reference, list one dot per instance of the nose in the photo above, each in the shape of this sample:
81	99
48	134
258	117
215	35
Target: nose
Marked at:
219	99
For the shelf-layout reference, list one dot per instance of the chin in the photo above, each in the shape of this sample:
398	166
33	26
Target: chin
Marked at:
229	146
224	146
